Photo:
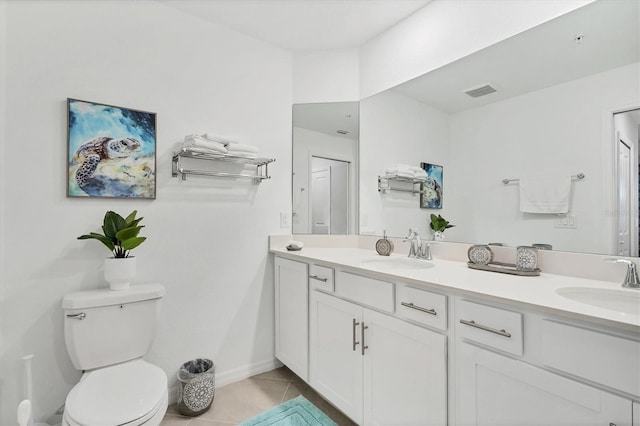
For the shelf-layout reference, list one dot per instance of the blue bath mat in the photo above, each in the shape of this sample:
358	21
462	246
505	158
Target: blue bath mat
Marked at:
296	412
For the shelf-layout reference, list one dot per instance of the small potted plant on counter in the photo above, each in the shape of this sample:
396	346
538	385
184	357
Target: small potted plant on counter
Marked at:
120	236
438	225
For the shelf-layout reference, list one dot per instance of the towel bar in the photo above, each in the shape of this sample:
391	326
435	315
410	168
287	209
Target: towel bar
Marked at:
261	165
579	176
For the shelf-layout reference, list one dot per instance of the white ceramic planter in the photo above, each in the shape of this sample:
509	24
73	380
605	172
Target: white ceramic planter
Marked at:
119	272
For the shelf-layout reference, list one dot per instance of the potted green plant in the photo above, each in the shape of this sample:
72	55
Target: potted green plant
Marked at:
438	225
120	236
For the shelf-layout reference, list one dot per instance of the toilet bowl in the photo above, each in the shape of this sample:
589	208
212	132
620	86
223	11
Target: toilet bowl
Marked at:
107	333
131	393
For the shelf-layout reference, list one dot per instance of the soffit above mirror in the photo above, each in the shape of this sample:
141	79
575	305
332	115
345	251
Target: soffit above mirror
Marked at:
607	33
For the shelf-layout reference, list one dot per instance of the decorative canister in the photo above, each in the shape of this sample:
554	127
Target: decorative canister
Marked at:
480	254
526	258
197	386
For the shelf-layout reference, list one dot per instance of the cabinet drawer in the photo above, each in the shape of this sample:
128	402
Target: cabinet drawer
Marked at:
490	326
603	358
321	277
422	306
364	290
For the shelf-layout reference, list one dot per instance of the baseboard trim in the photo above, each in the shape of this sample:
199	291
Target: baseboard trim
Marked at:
234	375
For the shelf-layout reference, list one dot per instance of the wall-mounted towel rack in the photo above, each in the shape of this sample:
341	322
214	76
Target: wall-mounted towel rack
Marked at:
261	165
386	184
579	176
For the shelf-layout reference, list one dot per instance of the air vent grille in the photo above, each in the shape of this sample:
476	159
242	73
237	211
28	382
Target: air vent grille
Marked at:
480	91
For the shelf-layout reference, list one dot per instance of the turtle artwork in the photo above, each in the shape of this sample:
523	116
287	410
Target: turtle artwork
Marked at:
101	149
111	151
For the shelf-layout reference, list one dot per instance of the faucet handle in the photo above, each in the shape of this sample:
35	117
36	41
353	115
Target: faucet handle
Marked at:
631	280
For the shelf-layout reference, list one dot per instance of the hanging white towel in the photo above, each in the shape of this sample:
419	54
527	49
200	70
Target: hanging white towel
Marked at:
545	194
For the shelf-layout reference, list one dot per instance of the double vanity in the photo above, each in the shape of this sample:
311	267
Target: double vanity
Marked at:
394	340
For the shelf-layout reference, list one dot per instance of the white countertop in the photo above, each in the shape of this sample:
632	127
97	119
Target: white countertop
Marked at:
457	277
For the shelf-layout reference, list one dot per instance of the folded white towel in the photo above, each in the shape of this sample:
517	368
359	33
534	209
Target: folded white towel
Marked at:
217	138
545	194
421	173
200	150
401	174
417	169
399	168
242	147
198	141
251	155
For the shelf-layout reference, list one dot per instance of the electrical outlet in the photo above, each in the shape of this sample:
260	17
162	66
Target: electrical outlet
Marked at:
285	219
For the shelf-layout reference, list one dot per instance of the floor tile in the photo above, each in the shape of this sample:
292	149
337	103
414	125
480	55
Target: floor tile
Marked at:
169	420
282	373
242	400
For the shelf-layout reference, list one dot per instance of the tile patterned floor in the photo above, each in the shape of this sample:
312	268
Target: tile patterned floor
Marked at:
240	401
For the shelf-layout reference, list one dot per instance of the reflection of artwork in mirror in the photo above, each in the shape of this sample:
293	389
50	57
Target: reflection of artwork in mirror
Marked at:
431	189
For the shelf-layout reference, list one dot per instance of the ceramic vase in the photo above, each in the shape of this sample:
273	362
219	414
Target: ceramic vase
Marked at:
119	272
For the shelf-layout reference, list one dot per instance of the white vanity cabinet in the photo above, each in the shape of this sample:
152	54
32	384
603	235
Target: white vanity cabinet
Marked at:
499	383
377	369
291	312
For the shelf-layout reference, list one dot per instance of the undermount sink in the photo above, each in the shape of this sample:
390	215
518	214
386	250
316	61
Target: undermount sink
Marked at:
623	301
396	263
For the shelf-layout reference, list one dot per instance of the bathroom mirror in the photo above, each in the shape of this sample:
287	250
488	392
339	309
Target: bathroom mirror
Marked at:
325	168
561	99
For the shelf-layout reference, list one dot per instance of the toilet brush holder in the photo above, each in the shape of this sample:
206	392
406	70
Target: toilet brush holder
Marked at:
197	386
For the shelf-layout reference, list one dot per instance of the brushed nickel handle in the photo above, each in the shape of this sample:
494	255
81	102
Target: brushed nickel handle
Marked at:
355	324
419	308
79	316
472	323
315	277
364	346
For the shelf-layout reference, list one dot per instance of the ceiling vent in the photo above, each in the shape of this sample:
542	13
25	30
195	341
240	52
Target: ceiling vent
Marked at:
342	132
476	92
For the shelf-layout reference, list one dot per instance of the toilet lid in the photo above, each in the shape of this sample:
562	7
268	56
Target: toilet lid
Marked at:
118	394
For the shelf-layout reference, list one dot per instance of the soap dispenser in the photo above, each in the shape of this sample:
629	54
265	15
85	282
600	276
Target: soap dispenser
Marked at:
384	247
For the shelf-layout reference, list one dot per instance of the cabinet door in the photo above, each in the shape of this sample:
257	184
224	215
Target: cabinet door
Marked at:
405	373
496	390
336	361
291	292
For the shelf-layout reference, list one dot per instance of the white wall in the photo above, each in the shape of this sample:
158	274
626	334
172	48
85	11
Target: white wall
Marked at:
556	130
326	76
447	30
308	143
207	239
397	129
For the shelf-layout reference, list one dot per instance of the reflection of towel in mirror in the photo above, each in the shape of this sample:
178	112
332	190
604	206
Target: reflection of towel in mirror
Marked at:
200	142
545	194
400	170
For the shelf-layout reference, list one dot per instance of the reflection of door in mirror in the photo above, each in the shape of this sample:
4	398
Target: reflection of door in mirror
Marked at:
329	196
325	168
627	138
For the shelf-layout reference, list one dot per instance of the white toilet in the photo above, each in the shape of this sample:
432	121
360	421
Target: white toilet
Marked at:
107	332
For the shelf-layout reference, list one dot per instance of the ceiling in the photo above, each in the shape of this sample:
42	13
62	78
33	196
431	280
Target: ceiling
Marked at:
541	57
328	118
300	25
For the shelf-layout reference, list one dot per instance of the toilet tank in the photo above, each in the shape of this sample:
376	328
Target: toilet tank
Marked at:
105	327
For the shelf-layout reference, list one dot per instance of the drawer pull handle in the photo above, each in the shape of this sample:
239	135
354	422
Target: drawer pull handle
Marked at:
485	328
315	277
355	324
364	346
419	308
79	316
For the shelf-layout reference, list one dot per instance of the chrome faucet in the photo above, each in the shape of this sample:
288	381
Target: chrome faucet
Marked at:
418	249
631	280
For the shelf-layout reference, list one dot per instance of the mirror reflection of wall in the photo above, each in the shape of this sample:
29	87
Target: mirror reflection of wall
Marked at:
325	168
552	113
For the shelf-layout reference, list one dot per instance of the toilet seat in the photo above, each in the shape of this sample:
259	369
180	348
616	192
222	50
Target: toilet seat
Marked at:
128	394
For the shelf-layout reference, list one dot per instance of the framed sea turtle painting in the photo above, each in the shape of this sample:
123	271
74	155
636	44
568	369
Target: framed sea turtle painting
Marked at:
432	187
111	151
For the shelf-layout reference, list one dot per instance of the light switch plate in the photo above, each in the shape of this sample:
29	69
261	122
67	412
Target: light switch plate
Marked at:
285	219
